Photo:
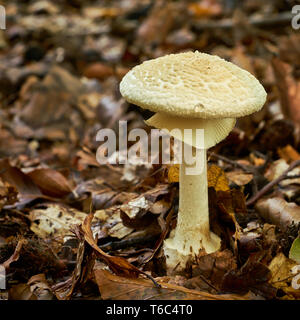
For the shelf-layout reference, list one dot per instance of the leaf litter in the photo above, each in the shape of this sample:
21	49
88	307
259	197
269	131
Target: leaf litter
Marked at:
71	228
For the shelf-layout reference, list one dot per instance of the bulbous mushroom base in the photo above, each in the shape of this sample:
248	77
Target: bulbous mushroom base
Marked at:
178	256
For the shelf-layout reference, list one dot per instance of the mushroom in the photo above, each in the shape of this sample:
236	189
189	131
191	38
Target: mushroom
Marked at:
193	90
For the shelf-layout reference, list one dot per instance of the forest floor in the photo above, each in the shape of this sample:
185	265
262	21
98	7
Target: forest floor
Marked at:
71	228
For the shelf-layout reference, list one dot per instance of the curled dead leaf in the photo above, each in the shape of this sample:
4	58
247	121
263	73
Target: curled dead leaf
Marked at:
118	265
114	287
281	275
51	182
279	212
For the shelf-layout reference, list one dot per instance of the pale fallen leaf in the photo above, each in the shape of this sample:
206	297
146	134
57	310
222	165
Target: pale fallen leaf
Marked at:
277	169
239	177
282	275
54	219
279	212
111	224
133	207
98	12
296	278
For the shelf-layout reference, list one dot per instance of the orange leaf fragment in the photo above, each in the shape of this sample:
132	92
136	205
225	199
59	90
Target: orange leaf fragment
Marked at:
217	178
288	153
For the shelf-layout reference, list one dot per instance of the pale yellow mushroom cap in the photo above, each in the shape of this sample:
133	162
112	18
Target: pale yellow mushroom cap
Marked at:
193	85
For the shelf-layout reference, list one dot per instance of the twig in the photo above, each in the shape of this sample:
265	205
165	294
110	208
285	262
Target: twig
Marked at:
208	283
117	245
270	185
163	234
283	18
232	162
297	176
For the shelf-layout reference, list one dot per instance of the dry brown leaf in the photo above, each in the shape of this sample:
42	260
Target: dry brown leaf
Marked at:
118	265
16	254
10	145
8	194
113	287
50	101
18	179
85	261
159	22
289	90
51	182
211	268
253	275
40	287
232	204
86	158
224	206
279	212
290	48
240	58
21	292
98	71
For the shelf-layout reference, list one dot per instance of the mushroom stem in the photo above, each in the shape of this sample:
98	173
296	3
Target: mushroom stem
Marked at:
192	235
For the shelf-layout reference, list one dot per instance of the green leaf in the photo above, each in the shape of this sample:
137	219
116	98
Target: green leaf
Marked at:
295	250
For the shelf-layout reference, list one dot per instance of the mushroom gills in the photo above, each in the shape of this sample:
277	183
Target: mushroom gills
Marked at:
215	130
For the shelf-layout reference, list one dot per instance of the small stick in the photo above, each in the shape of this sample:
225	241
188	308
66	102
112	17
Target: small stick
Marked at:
270	185
283	18
297	176
117	245
232	162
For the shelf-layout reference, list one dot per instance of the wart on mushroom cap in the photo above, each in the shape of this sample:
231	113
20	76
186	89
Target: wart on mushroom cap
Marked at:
193	90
